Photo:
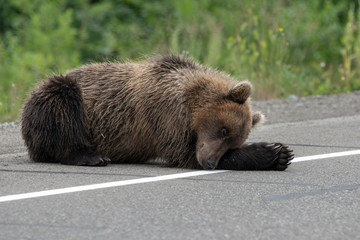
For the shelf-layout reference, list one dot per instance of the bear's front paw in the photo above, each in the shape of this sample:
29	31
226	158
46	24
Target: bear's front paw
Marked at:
282	156
257	156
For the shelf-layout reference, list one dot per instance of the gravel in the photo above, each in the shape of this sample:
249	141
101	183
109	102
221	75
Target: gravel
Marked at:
9	125
295	109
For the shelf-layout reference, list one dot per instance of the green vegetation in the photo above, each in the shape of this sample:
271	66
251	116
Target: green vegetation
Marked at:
283	47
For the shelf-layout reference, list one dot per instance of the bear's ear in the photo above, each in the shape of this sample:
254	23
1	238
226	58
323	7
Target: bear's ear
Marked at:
240	92
257	119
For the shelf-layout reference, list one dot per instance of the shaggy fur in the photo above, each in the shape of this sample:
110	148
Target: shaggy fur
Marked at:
167	107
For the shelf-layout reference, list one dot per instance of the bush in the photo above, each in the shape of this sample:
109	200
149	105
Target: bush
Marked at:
43	43
283	47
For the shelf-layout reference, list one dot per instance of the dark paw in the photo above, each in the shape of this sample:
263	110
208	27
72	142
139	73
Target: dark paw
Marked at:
257	156
87	160
282	156
96	161
93	161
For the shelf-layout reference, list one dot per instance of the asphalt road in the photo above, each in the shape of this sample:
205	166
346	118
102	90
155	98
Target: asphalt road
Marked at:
315	199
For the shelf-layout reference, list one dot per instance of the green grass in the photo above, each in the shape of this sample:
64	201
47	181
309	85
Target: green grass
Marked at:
283	47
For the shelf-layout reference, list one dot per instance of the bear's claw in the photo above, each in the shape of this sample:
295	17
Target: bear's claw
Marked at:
283	156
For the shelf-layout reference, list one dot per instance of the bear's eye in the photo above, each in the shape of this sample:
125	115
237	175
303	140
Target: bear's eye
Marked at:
224	132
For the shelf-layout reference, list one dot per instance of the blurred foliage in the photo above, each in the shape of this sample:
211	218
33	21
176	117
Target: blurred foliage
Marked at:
283	47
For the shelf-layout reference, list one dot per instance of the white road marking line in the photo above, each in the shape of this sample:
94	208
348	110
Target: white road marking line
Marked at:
151	179
106	185
327	155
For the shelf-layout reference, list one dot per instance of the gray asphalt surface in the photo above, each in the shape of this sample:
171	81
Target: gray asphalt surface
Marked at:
317	199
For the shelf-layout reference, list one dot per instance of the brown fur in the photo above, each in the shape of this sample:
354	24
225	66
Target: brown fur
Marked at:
167	107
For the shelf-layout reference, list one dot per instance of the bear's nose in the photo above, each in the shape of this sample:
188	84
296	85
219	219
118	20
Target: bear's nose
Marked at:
210	164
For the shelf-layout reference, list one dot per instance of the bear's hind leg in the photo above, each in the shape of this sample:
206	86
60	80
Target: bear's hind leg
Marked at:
55	126
257	156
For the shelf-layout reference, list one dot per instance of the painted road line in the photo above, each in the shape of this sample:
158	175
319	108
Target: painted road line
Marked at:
151	179
327	155
106	185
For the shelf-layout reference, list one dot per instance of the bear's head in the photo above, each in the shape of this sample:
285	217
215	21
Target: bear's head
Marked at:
224	124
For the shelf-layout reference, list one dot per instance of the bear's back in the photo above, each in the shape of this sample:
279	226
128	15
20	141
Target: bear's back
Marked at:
137	111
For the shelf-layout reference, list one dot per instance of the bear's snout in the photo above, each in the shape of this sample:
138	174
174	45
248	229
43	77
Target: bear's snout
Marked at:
208	154
209	164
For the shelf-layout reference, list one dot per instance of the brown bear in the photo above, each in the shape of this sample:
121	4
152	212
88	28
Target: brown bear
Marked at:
168	108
